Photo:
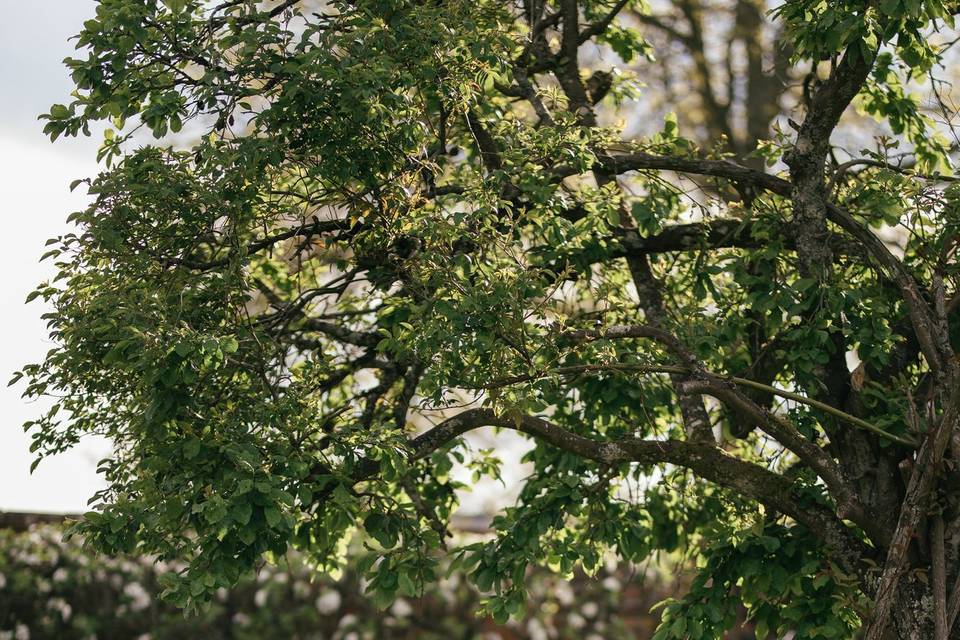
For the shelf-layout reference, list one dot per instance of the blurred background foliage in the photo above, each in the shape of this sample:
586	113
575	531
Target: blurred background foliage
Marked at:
52	588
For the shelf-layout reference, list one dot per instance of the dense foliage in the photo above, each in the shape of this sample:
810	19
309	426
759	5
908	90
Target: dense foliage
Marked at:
366	228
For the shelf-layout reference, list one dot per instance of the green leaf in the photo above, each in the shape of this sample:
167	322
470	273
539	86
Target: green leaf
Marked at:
272	515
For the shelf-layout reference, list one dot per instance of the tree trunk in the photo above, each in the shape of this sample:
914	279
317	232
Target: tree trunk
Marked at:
912	617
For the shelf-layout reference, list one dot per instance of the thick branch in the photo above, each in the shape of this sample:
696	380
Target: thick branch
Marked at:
568	74
707	461
341	333
720	233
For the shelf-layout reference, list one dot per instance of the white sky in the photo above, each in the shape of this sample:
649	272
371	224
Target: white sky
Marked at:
35	200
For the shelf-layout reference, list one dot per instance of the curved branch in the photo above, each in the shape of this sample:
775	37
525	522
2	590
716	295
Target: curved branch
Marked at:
640	161
721	233
849	504
342	333
699	381
706	460
305	230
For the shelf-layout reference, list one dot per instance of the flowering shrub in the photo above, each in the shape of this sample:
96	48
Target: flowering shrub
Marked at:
52	588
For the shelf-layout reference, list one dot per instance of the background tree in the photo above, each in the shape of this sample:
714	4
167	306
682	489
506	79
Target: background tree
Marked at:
401	221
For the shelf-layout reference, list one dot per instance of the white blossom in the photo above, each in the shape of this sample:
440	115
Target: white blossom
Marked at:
301	589
61	606
328	602
139	598
576	621
401	608
610	583
564	593
536	630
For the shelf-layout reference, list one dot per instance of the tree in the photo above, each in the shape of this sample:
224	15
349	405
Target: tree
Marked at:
397	222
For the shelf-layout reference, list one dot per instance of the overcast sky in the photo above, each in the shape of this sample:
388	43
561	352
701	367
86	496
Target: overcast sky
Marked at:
35	199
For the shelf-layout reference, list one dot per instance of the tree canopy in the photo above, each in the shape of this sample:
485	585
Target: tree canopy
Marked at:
364	229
